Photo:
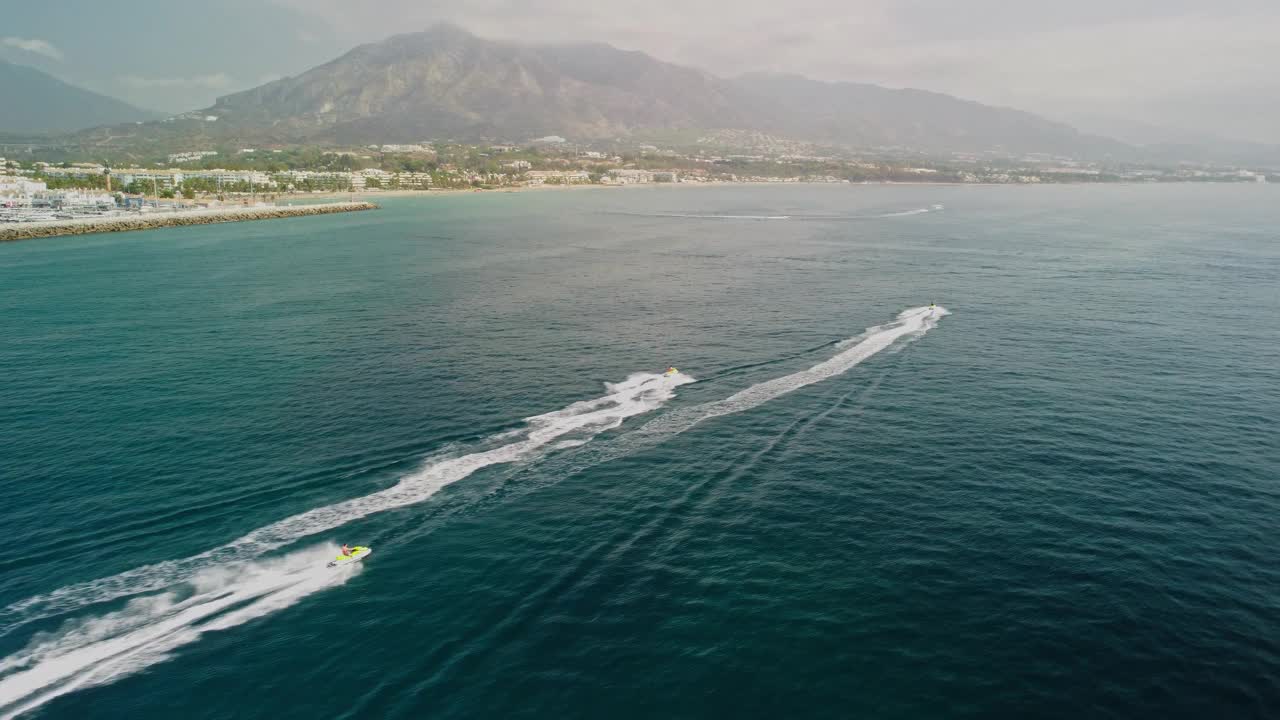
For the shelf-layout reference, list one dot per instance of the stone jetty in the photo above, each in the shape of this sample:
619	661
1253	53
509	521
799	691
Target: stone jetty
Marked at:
147	221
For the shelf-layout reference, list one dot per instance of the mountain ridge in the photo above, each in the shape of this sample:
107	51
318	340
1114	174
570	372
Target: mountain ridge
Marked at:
448	83
891	116
50	105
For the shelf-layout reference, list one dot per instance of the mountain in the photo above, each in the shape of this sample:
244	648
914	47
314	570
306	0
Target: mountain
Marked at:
1163	144
870	115
35	101
448	83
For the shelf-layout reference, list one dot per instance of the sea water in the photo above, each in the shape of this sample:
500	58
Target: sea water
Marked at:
932	452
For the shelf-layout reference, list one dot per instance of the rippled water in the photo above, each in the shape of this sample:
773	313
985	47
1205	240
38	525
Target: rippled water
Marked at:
1054	495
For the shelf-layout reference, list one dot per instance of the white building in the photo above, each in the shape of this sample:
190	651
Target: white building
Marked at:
339	179
193	156
407	149
14	186
166	179
256	178
77	170
414	180
558	177
628	176
372	178
81	199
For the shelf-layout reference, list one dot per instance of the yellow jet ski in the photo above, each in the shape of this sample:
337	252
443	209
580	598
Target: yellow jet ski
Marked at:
670	371
358	553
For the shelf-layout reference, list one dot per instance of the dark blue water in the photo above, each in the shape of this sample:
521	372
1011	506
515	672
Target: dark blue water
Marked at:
1058	500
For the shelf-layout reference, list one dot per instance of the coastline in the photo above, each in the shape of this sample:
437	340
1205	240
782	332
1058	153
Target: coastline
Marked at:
299	205
372	196
85	226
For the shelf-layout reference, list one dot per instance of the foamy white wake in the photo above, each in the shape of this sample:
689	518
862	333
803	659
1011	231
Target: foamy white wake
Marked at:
230	585
571	425
98	650
704	216
913	322
722	217
875	216
715	216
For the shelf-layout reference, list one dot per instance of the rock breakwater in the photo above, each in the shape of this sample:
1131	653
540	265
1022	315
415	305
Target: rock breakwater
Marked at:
147	221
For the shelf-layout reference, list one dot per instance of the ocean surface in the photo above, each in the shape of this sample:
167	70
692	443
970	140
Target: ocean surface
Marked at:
1054	495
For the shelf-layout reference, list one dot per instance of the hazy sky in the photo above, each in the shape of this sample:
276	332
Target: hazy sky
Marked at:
1197	65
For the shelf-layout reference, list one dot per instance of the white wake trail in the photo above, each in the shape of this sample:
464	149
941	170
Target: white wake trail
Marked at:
574	424
913	322
99	650
713	216
231	585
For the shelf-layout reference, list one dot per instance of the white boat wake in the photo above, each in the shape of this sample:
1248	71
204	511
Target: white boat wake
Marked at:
102	649
718	216
913	322
576	423
910	323
233	584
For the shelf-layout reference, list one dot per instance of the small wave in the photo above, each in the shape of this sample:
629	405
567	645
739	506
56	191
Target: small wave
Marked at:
876	216
725	216
713	216
905	213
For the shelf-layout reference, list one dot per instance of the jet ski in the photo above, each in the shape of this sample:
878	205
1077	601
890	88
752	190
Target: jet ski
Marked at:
670	371
358	553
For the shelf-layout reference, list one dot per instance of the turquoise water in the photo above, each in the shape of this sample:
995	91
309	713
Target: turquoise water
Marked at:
1058	500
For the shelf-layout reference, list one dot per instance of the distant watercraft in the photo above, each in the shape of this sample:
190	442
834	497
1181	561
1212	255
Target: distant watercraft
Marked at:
358	553
670	371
